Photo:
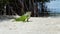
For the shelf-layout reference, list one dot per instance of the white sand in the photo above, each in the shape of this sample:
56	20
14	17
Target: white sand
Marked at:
35	26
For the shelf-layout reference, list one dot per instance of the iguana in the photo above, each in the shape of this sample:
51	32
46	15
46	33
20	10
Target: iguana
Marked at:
24	17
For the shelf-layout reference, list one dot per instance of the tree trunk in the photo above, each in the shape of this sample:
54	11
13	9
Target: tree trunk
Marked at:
44	12
31	7
36	9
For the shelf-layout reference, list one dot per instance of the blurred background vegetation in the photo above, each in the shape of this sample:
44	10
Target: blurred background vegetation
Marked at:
19	7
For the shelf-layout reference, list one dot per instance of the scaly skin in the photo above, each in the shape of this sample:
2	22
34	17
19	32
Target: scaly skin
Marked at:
24	17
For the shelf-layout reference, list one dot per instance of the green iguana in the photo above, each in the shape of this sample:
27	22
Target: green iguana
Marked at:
24	17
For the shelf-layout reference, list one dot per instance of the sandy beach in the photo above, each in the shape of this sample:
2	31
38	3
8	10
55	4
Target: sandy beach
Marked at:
36	25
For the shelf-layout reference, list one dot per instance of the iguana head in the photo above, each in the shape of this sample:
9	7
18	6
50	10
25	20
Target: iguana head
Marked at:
28	14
